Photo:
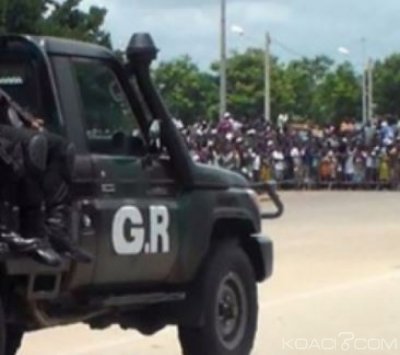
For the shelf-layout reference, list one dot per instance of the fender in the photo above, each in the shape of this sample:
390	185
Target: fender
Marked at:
209	215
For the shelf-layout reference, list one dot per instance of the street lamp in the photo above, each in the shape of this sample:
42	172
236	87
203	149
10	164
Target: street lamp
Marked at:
238	30
267	97
343	50
367	84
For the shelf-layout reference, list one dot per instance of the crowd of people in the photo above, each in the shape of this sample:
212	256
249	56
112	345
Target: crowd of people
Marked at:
348	155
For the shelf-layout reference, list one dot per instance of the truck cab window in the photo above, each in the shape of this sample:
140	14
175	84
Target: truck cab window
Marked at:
26	81
106	110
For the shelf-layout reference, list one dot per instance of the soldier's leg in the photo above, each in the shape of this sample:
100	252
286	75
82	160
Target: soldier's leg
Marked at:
57	190
33	217
25	197
9	220
8	176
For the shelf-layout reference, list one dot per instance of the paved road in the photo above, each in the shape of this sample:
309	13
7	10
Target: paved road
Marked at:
335	289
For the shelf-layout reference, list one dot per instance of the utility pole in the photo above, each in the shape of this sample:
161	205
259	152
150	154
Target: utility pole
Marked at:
364	96
223	81
364	86
371	104
267	107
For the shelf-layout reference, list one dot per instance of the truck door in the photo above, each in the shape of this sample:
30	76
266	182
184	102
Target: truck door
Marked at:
135	210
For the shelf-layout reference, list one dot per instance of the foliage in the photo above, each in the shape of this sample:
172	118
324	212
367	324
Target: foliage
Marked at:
246	82
312	89
387	86
306	76
190	93
309	88
339	95
54	18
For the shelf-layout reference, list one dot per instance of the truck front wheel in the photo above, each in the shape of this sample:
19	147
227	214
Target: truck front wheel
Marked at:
228	298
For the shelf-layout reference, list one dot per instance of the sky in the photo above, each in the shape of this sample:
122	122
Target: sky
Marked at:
297	27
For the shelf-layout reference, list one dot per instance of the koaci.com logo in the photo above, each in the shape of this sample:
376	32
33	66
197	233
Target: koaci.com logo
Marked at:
344	342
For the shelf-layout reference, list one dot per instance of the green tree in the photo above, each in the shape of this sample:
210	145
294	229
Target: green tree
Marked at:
22	16
189	93
246	85
387	85
283	94
312	89
54	18
305	77
338	95
66	19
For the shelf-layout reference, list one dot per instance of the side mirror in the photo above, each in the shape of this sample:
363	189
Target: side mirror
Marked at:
155	130
155	135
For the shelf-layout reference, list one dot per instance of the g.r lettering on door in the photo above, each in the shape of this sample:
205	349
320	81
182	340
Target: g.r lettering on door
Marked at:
133	241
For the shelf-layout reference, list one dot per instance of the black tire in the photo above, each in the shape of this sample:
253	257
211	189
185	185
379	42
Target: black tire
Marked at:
229	301
14	340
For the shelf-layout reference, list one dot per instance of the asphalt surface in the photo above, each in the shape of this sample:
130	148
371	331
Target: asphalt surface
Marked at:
335	290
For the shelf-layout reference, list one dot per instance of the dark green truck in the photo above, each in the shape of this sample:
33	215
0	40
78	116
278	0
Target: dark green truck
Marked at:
175	243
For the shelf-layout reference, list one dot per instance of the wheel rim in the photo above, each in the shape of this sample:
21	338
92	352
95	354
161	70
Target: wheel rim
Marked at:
231	311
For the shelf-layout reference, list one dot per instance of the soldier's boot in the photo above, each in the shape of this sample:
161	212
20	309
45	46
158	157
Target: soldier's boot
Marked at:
16	243
31	246
32	214
58	179
9	226
58	225
43	252
10	235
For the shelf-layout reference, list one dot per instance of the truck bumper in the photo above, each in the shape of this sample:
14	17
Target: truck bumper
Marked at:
261	252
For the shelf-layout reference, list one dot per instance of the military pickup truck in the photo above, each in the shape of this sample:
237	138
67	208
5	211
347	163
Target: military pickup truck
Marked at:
174	242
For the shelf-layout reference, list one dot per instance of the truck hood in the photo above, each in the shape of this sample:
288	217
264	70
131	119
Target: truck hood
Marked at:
213	177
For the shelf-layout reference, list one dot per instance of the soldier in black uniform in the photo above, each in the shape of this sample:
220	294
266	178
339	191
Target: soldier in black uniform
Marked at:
37	193
57	197
19	150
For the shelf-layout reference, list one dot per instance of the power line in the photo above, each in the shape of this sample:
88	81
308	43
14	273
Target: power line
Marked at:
287	48
278	43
